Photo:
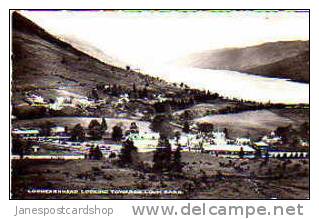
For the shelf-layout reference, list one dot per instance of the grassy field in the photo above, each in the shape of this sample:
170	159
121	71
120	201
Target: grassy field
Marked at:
203	177
255	123
84	121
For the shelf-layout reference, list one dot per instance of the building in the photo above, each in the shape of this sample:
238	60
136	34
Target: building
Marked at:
35	100
243	141
58	131
25	132
143	136
230	150
271	139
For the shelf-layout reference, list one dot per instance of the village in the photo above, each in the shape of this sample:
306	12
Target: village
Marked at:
59	144
54	141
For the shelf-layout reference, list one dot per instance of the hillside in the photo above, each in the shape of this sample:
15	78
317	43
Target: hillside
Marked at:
289	59
43	63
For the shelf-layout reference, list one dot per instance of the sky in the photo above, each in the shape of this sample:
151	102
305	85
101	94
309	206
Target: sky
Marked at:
153	38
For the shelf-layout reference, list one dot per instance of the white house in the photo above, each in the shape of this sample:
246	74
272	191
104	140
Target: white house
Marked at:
58	130
25	132
35	99
271	139
243	141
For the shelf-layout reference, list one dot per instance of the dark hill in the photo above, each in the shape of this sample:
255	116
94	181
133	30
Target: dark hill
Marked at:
41	62
287	59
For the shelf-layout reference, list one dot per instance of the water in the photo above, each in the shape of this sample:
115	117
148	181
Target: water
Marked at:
235	84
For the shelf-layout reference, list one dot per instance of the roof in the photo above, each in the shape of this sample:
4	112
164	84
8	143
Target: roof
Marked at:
148	136
261	144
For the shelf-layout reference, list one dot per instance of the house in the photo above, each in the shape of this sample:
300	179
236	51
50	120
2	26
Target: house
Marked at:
124	98
25	132
271	139
230	150
36	100
144	136
58	131
161	98
58	104
243	141
81	102
219	138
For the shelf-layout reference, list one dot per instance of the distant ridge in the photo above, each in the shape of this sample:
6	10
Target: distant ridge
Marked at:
283	59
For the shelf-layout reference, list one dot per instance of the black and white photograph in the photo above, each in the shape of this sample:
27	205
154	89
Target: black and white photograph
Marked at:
160	104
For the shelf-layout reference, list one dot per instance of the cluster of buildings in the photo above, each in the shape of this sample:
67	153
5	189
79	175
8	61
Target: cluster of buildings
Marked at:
214	143
217	144
61	102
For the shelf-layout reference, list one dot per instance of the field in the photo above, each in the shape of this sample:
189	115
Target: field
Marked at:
203	177
256	123
84	121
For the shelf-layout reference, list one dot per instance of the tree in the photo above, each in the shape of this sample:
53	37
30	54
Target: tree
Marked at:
177	163
226	133
45	128
95	130
258	153
187	115
162	157
134	88
241	153
19	146
186	127
145	92
128	155
160	124
205	127
117	133
104	125
267	156
177	136
95	153
305	131
284	132
94	94
66	130
78	133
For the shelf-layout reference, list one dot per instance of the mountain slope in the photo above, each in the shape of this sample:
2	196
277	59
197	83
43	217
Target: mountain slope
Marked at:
42	62
93	51
289	59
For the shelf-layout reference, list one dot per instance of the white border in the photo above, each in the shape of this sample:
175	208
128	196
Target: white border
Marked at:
121	207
